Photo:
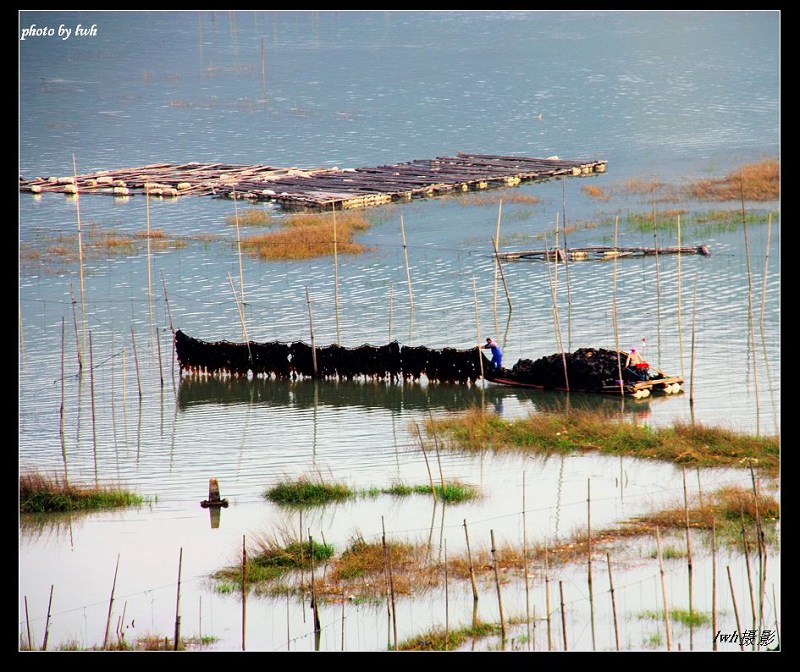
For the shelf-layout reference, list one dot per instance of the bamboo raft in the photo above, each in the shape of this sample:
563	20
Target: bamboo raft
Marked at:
594	253
318	188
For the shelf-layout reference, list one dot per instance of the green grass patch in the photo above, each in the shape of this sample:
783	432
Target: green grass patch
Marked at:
690	619
692	445
452	492
697	223
306	491
42	494
439	639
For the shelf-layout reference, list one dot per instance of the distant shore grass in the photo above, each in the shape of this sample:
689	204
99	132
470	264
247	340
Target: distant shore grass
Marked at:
307	236
687	444
758	181
44	494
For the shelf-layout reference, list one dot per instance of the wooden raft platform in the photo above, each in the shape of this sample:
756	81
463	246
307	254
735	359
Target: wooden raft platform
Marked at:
321	188
596	253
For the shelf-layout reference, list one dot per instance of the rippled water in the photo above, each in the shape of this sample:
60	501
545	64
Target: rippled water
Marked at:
666	95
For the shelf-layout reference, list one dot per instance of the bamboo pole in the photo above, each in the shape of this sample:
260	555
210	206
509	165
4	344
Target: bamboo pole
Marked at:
525	565
80	251
91	389
714	580
556	324
691	361
446	603
751	328
390	575
547	599
288	628
471	566
314	605
613	601
336	277
177	642
502	277
28	625
747	565
566	264
136	361
408	278
47	621
61	408
240	310
658	273
664	590
614	313
149	271
497	584
688	555
477	324
21	335
241	270
75	323
438	458
735	609
391	306
427	465
680	328
111	604
311	329
387	585
244	592
589	553
762	552
563	614
160	367
496	265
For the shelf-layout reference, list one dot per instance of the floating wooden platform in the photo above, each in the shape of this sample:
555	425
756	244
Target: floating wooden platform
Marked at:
320	188
599	253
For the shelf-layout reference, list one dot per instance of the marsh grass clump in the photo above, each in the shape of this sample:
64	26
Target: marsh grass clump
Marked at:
451	492
549	433
438	639
273	558
42	494
305	491
759	181
309	236
689	619
698	223
251	217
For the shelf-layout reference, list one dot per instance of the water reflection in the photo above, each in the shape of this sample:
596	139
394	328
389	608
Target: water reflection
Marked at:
399	397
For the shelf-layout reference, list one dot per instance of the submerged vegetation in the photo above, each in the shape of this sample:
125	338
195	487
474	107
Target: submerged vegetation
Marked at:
688	444
42	494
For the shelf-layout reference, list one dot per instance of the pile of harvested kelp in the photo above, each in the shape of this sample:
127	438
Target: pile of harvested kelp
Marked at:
298	359
586	369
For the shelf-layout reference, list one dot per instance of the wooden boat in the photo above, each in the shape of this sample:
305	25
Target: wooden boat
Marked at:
657	382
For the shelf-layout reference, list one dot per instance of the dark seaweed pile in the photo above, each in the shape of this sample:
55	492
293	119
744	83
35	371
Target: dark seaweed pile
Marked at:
587	369
292	360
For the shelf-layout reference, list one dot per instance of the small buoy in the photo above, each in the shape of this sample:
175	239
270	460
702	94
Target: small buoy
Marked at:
121	191
105	179
184	185
70	189
118	183
36	189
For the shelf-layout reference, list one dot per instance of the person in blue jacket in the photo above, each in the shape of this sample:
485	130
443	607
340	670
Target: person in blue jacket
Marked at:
497	353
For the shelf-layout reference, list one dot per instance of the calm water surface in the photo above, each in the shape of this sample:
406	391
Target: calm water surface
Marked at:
660	95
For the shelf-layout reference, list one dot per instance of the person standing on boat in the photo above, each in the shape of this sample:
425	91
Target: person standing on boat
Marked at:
497	353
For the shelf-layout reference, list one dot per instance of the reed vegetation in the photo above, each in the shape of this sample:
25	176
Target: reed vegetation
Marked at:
692	445
251	217
39	493
309	236
308	491
439	639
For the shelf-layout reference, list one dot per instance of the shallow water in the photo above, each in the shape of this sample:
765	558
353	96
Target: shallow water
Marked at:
670	95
